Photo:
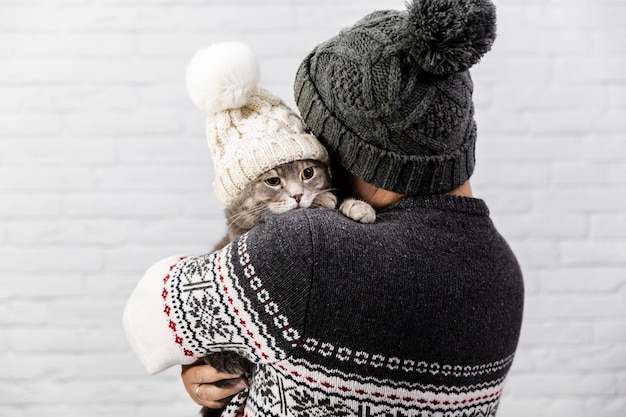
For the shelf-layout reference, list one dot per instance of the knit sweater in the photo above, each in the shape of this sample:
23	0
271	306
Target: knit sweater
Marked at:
417	314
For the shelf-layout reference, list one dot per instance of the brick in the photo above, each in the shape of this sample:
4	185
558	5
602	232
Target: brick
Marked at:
111	232
607	40
550	333
528	147
30	124
185	230
550	96
50	151
88	69
23	313
70	45
194	19
91	392
561	121
593	253
612	122
617	95
342	16
181	45
555	406
166	96
7	47
569	200
23	205
583	279
99	18
115	204
610	148
205	204
36	367
175	178
19	285
606	407
574	307
523	174
86	312
80	97
539	226
608	331
609	225
577	173
554	384
68	232
11	98
166	150
91	124
44	179
617	173
513	67
32	19
30	258
580	358
64	340
575	69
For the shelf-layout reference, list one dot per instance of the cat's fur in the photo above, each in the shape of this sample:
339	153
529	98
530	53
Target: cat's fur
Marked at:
290	186
259	197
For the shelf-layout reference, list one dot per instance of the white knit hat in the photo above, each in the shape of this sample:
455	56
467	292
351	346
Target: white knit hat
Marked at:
248	129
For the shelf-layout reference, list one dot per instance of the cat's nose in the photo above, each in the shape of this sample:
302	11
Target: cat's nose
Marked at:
297	197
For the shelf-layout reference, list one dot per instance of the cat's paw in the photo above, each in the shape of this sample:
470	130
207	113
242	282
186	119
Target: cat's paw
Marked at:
358	210
325	199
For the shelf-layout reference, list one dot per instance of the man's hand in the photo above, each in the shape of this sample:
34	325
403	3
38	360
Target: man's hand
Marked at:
210	388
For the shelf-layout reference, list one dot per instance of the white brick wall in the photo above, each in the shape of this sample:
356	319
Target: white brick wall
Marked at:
104	169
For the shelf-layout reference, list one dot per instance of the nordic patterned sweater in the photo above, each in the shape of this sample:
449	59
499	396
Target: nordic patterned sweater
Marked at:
417	314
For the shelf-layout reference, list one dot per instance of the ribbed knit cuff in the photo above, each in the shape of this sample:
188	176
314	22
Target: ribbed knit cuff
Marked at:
147	325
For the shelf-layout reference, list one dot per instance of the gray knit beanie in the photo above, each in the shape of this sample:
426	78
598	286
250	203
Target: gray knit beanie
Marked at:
391	97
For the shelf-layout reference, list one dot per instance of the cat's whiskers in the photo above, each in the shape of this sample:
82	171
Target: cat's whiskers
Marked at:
255	212
283	206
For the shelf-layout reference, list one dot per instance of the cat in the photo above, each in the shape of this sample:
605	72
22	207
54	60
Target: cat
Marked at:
293	185
298	184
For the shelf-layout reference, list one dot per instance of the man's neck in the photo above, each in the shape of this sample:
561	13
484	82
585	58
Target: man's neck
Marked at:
381	198
464	190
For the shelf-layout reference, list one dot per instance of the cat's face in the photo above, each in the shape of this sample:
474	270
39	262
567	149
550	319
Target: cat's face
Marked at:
286	187
292	185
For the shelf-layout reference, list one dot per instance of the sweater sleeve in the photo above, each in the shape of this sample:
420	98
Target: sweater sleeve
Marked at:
250	298
147	326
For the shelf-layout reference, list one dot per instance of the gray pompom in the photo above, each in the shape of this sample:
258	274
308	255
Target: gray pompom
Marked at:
450	36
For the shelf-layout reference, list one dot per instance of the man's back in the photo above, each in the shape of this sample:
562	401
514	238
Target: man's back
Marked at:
429	297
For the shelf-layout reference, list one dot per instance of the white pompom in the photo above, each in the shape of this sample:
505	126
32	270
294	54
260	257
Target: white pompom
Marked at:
222	76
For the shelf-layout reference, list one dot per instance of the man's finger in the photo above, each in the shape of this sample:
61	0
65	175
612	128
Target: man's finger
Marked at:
214	396
204	374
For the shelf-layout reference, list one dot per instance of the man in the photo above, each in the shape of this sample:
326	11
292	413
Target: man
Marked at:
416	314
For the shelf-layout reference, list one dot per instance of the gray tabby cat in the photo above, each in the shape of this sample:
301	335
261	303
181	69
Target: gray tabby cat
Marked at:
290	186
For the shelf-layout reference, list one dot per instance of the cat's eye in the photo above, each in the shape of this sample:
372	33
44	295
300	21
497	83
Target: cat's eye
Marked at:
273	181
307	173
